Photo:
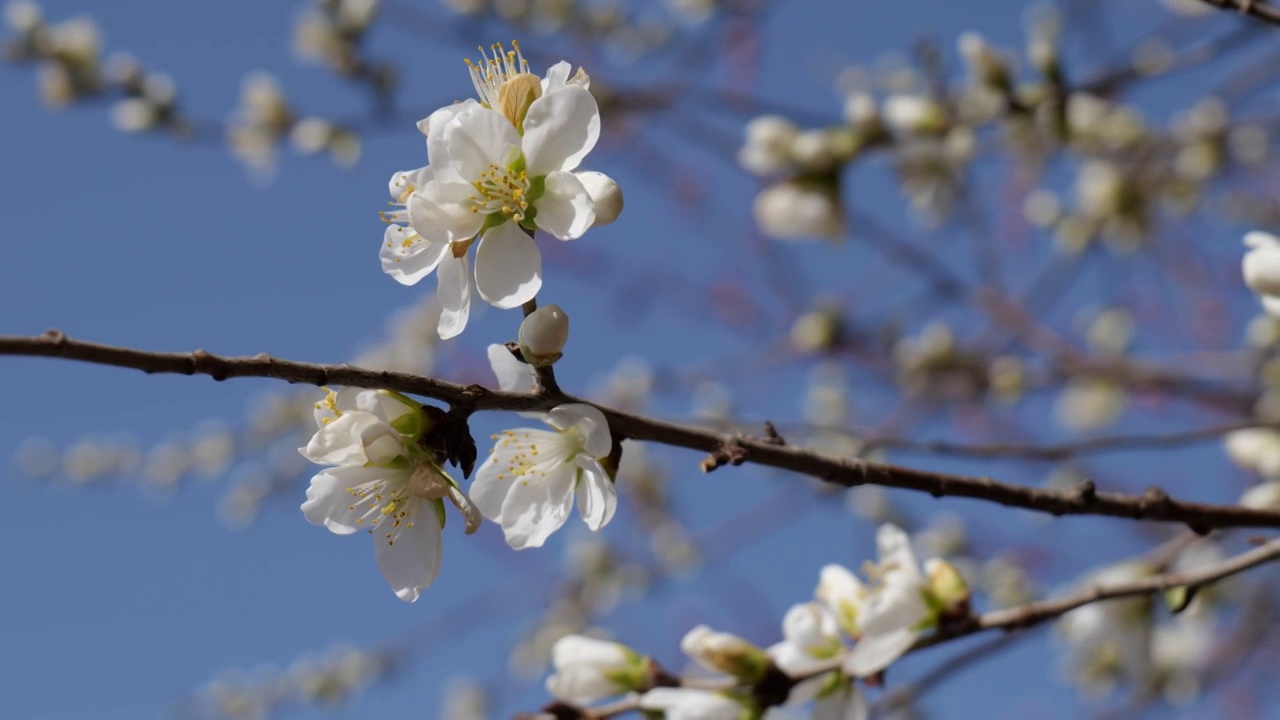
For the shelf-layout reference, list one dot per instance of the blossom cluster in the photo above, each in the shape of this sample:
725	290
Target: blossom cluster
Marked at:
851	630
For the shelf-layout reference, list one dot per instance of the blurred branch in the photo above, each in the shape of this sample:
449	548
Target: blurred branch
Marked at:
1063	451
1254	8
723	449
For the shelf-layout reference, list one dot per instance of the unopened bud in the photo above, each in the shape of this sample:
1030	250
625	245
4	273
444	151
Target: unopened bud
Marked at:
605	194
543	335
725	652
948	587
587	669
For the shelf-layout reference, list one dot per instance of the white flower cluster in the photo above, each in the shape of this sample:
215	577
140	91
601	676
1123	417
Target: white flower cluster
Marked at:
383	479
882	619
498	169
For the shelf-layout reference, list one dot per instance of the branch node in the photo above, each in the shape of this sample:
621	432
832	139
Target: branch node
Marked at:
55	337
206	362
729	452
1086	493
771	435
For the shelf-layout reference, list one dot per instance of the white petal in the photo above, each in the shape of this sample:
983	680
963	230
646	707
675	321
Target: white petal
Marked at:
410	559
407	256
434	126
508	267
453	292
341	441
589	419
513	375
559	130
328	502
581	686
597	497
490	488
440	210
582	651
894	547
538	505
565	210
606	196
478	137
689	704
557	77
873	653
844	704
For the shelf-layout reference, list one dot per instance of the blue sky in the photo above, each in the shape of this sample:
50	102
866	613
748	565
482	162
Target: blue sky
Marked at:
117	604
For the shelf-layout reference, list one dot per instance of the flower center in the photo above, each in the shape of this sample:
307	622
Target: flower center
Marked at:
382	502
501	191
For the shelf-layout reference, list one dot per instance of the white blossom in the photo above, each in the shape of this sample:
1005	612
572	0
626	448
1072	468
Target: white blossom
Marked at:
528	483
379	479
896	610
725	652
811	635
588	670
791	211
498	168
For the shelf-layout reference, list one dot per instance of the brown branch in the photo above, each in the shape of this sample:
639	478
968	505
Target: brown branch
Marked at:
846	472
1009	620
1255	8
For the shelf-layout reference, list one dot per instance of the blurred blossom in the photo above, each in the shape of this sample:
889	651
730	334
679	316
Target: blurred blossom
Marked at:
1042	208
1110	331
693	11
1006	582
870	502
629	386
826	401
464	699
817	331
912	114
799	211
261	123
1108	643
1256	450
768	146
1262	497
37	458
944	536
466	7
1089	404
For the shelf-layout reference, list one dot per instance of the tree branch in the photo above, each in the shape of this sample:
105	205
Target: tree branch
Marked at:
847	472
1255	8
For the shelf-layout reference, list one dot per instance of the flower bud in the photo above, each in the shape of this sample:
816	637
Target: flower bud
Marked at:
725	652
543	335
948	587
606	195
588	670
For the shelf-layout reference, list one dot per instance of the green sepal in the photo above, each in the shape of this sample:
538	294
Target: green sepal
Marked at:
413	424
537	188
438	506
